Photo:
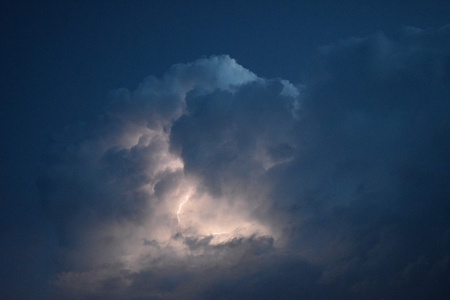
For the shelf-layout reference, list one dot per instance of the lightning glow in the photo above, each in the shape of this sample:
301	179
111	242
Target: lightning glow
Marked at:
220	233
210	217
179	208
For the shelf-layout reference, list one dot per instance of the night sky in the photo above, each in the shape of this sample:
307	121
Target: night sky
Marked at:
225	150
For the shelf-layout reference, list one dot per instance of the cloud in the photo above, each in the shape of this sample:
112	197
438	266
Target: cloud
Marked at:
163	177
368	189
212	182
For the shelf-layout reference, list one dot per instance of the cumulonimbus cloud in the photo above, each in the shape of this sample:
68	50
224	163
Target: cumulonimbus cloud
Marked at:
175	170
211	176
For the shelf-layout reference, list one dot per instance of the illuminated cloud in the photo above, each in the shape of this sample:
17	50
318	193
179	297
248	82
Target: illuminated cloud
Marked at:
214	183
175	171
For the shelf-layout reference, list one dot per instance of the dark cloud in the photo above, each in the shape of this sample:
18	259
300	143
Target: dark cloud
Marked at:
232	137
370	188
214	183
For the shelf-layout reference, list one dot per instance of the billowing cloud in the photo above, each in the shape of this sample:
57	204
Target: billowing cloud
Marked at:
170	177
214	183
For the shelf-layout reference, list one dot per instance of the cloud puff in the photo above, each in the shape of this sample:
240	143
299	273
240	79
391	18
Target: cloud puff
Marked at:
212	182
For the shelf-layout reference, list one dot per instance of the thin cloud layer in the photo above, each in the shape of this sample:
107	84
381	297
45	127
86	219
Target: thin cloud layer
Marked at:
214	183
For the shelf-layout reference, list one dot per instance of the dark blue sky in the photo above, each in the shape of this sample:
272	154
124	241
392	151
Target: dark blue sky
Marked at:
366	99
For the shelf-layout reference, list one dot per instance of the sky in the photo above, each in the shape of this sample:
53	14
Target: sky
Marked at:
225	150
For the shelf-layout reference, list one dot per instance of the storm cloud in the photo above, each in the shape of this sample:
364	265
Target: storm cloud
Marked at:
214	183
